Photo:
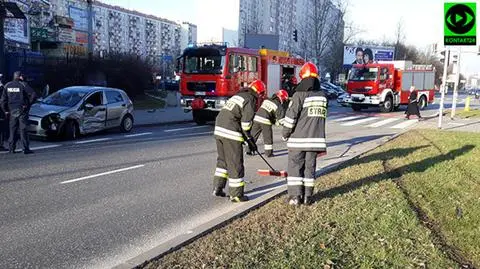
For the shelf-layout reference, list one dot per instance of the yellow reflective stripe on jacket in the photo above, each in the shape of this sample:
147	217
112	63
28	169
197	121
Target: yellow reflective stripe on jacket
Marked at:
262	120
229	134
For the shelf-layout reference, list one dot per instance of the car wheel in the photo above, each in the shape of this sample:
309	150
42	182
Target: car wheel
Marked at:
422	104
71	130
127	124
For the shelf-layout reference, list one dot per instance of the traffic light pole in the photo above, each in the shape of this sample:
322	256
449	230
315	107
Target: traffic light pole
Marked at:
443	88
3	14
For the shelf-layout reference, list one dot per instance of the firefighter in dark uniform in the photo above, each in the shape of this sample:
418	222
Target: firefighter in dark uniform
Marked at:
270	112
3	121
232	128
304	131
16	101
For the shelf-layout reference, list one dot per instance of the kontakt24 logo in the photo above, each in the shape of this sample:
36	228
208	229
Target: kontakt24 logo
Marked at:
460	24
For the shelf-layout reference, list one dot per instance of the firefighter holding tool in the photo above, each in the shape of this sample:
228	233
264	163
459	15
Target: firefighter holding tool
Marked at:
232	128
271	111
304	131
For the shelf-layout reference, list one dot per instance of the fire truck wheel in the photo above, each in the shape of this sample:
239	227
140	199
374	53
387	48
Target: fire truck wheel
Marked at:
422	104
198	117
387	105
356	107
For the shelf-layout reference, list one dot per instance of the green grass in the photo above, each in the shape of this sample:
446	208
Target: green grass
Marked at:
146	102
412	203
473	113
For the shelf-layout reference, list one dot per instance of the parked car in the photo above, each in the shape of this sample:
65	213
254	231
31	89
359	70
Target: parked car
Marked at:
330	93
79	110
341	100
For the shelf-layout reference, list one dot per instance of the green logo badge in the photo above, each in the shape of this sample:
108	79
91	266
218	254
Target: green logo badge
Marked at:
460	27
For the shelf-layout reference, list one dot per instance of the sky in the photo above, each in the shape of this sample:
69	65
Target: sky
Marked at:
422	20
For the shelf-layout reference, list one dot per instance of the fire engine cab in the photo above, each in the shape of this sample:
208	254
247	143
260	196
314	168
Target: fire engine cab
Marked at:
210	74
387	85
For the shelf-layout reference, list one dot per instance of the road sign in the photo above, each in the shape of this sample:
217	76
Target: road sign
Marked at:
460	27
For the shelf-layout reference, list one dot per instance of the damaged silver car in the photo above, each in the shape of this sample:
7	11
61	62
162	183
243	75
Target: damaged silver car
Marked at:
79	110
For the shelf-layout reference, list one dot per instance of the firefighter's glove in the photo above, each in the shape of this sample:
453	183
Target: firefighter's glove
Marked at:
251	144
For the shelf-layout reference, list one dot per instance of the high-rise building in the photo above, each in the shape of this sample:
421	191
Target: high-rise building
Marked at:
316	22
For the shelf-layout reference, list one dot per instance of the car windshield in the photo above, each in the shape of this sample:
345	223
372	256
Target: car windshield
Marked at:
65	97
363	73
204	64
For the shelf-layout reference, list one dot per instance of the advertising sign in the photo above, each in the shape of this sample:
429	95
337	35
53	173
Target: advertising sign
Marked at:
66	35
366	54
17	30
81	37
80	18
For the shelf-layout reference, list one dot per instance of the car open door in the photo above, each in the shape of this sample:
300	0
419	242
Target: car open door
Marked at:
94	113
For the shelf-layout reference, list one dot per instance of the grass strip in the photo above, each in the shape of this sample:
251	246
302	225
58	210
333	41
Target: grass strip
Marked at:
412	203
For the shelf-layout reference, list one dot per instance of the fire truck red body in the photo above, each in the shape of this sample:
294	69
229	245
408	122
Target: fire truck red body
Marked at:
211	74
387	85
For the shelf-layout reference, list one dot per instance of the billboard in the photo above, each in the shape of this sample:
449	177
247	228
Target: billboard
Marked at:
367	54
80	18
17	30
81	37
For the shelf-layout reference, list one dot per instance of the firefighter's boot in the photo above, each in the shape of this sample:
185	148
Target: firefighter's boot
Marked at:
269	153
294	200
219	192
307	200
238	199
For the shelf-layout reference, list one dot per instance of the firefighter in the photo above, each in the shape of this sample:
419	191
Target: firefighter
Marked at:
270	112
289	84
304	131
17	98
3	121
232	128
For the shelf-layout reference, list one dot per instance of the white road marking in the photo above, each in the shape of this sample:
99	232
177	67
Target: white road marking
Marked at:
92	141
355	122
266	190
188	128
37	148
103	174
404	124
141	134
383	122
348	118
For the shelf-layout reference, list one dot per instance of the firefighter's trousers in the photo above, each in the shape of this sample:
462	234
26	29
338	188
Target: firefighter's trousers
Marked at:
301	172
267	131
230	166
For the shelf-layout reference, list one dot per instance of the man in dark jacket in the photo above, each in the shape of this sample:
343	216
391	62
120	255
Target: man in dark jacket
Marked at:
3	121
16	101
413	108
304	129
232	129
271	111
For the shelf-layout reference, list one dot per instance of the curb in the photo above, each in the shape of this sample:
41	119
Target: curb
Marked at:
242	210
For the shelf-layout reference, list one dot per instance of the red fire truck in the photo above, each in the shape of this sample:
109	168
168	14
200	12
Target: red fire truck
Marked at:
210	74
387	85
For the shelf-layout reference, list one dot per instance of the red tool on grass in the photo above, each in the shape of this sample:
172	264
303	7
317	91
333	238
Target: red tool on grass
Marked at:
272	171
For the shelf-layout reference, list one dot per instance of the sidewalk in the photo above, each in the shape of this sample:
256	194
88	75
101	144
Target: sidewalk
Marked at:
161	116
457	124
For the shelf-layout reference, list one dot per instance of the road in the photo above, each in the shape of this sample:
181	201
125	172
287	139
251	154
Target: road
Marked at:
101	200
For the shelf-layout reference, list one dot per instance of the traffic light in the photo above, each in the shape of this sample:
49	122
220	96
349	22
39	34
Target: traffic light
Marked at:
445	56
295	35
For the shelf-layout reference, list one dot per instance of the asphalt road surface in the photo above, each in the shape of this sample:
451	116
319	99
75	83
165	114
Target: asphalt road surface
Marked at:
101	200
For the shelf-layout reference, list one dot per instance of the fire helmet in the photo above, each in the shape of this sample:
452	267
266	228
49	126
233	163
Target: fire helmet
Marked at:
258	86
309	69
282	95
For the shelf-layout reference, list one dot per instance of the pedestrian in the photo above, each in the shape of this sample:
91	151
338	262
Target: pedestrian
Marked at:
412	108
232	128
304	131
17	98
3	121
270	112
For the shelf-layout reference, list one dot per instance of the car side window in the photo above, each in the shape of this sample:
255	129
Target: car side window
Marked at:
95	99
114	97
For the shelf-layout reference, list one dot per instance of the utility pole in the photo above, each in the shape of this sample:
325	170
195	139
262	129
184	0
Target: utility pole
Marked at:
3	15
443	87
457	82
90	28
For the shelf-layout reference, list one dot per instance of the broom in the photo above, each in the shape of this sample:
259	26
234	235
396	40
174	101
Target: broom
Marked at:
272	171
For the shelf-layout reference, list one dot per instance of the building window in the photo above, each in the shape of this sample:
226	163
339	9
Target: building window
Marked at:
252	64
271	29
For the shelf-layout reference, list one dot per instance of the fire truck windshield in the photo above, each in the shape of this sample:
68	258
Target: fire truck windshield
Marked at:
211	64
363	73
